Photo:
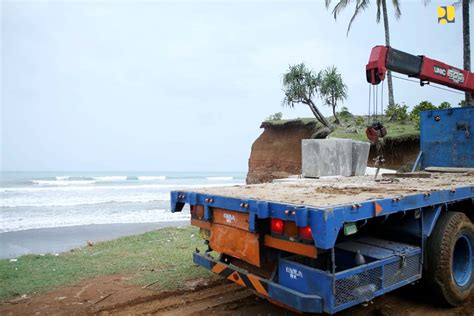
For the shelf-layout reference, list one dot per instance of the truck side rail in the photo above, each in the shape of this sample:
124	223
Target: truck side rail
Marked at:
325	222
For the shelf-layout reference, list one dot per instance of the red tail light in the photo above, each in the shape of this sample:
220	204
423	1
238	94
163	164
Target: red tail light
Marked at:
277	226
305	233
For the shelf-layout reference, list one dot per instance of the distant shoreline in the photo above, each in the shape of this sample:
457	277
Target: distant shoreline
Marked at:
59	239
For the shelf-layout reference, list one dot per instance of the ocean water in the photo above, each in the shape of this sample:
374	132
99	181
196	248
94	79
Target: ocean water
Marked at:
55	199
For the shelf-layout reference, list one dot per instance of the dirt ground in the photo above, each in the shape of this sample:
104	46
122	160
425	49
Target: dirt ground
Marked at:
114	295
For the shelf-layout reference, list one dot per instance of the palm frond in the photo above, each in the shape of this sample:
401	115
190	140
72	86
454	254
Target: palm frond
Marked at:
361	5
379	12
339	7
396	6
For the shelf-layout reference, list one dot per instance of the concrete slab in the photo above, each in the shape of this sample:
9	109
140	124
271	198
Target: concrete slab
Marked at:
360	155
326	157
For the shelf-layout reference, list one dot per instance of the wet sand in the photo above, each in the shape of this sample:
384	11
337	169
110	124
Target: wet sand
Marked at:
60	239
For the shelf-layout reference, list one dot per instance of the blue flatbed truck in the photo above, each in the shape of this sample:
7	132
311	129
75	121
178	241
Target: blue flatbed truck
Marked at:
324	245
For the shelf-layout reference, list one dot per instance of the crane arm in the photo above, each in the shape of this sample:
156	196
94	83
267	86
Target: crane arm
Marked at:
383	58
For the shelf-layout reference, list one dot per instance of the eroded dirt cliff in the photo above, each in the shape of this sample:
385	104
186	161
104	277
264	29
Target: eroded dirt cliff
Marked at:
400	153
276	153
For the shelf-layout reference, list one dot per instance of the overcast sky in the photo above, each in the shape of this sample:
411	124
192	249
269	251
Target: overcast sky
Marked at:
181	85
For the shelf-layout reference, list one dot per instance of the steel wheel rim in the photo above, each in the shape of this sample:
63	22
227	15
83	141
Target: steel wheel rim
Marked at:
462	260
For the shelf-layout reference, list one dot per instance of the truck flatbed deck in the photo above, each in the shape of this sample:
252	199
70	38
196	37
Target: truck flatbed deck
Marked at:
335	191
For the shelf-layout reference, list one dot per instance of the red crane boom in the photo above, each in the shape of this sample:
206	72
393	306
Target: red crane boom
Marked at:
383	58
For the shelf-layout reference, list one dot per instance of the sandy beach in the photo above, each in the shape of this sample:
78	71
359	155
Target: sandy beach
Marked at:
60	239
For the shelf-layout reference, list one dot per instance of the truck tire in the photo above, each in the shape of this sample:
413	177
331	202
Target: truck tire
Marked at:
450	256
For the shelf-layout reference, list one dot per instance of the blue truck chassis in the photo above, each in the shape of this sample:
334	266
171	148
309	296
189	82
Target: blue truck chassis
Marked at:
390	264
364	248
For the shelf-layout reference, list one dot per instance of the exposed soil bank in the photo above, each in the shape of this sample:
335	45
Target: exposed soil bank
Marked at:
399	153
276	153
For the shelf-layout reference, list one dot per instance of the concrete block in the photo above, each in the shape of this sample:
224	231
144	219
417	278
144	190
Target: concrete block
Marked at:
326	157
360	156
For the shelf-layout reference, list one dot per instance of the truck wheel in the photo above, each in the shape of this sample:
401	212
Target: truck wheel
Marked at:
450	258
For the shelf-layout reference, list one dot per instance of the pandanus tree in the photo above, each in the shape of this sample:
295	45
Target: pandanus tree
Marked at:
301	85
332	89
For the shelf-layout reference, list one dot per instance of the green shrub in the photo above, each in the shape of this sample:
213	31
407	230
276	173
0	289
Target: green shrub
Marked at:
424	106
275	117
344	114
359	121
397	113
444	105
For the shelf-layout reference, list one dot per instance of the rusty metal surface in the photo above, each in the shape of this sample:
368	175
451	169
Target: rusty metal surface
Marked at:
235	242
293	247
231	218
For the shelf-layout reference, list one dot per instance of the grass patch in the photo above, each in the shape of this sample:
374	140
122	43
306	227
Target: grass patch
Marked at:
297	121
163	255
396	130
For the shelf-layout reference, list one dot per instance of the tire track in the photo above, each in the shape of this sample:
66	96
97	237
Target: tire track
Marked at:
185	303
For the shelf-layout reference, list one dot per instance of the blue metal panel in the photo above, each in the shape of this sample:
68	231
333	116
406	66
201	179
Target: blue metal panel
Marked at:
325	222
430	217
304	279
395	247
367	250
446	137
302	302
202	261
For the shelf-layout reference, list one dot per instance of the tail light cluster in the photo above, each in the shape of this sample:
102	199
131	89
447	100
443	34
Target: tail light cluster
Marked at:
290	230
278	226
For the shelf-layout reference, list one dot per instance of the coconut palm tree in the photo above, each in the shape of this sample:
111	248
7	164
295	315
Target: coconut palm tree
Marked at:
466	36
466	39
361	5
